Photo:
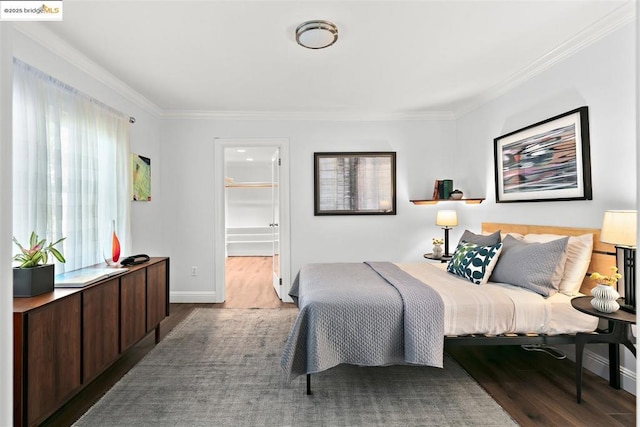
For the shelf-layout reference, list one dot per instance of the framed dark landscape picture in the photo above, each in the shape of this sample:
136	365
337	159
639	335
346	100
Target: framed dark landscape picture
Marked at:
546	161
362	183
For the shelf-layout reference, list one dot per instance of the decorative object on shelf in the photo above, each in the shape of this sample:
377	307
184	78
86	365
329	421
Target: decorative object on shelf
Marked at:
456	194
34	276
604	296
619	228
316	34
442	189
549	160
115	247
437	248
446	219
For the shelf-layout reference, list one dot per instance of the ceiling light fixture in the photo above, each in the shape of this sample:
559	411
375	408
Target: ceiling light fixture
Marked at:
316	34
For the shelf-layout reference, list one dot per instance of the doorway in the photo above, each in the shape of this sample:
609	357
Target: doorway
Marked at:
251	222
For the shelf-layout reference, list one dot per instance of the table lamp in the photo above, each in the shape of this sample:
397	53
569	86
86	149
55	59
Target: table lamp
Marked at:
446	219
619	228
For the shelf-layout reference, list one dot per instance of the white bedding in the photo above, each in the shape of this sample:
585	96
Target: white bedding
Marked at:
498	308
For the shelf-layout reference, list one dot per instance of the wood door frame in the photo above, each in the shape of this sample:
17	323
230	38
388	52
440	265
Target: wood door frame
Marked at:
220	144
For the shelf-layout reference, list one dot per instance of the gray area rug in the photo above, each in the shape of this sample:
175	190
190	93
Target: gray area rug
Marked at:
221	367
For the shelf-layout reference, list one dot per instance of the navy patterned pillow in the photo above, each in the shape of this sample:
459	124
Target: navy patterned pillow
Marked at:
474	262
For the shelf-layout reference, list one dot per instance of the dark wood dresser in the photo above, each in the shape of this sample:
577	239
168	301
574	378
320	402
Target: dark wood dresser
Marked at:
64	339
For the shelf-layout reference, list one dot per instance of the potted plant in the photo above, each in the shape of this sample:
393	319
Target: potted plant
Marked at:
604	296
437	247
33	276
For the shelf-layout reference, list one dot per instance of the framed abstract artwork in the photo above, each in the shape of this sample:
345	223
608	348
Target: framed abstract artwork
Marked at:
362	183
546	161
140	178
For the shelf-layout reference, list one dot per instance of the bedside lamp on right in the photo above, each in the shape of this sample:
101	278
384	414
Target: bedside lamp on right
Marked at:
619	228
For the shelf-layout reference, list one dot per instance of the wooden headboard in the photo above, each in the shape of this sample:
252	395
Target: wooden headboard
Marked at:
602	257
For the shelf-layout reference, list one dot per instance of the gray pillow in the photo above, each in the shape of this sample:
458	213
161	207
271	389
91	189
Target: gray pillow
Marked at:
530	265
480	239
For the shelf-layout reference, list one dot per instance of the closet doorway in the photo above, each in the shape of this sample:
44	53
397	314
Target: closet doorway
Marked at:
253	212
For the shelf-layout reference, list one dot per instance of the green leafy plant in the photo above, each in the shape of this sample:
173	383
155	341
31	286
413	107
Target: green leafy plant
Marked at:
38	252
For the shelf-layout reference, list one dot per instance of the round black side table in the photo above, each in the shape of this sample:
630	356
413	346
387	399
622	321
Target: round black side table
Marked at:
618	332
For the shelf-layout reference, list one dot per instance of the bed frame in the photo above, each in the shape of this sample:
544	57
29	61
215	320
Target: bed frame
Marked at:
602	257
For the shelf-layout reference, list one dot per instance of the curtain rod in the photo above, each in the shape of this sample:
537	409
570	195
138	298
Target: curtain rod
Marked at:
70	88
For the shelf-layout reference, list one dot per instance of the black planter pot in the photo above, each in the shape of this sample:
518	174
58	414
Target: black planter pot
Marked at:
29	282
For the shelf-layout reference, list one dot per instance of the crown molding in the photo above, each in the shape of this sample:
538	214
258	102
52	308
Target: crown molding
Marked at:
306	116
612	22
623	15
51	41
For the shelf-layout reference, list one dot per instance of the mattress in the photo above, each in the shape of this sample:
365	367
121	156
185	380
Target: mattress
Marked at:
498	308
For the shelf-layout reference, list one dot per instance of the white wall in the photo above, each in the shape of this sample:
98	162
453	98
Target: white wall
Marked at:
6	250
178	222
602	77
188	150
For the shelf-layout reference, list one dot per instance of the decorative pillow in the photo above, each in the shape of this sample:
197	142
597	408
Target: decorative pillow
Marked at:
474	262
545	238
518	236
578	251
530	265
480	239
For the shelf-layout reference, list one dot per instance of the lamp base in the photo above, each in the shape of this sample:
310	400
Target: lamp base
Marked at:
626	307
446	241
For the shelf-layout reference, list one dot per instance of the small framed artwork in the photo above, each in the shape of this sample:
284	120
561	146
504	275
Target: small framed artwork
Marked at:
140	178
362	183
546	161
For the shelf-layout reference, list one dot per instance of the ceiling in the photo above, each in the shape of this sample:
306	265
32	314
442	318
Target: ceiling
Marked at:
393	59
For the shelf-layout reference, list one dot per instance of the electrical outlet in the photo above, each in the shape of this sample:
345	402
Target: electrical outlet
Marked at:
194	271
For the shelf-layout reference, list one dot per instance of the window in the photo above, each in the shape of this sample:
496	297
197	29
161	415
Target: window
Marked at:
70	168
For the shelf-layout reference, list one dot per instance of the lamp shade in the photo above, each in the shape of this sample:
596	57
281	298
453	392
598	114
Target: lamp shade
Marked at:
620	228
447	218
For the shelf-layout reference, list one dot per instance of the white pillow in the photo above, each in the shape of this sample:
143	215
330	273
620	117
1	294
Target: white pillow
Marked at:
578	258
516	236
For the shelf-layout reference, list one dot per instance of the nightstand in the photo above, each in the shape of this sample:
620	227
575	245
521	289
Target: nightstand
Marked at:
618	332
443	258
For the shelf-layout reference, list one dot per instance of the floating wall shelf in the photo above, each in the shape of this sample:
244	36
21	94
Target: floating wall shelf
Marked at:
434	201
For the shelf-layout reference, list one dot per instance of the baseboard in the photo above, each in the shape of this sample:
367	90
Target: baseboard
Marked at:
599	365
192	297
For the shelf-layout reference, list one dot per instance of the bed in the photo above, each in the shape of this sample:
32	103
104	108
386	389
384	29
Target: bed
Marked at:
380	313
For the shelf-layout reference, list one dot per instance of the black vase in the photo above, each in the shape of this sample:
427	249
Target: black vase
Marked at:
29	282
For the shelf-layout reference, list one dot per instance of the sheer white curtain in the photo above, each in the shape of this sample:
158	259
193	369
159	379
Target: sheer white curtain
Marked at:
70	168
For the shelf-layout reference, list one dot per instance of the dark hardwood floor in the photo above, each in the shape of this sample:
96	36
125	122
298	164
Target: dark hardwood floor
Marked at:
539	390
534	388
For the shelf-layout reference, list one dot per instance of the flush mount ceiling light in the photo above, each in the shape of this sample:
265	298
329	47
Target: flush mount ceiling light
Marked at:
316	34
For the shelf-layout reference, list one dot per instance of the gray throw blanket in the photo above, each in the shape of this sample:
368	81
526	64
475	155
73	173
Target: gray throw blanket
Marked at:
370	314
